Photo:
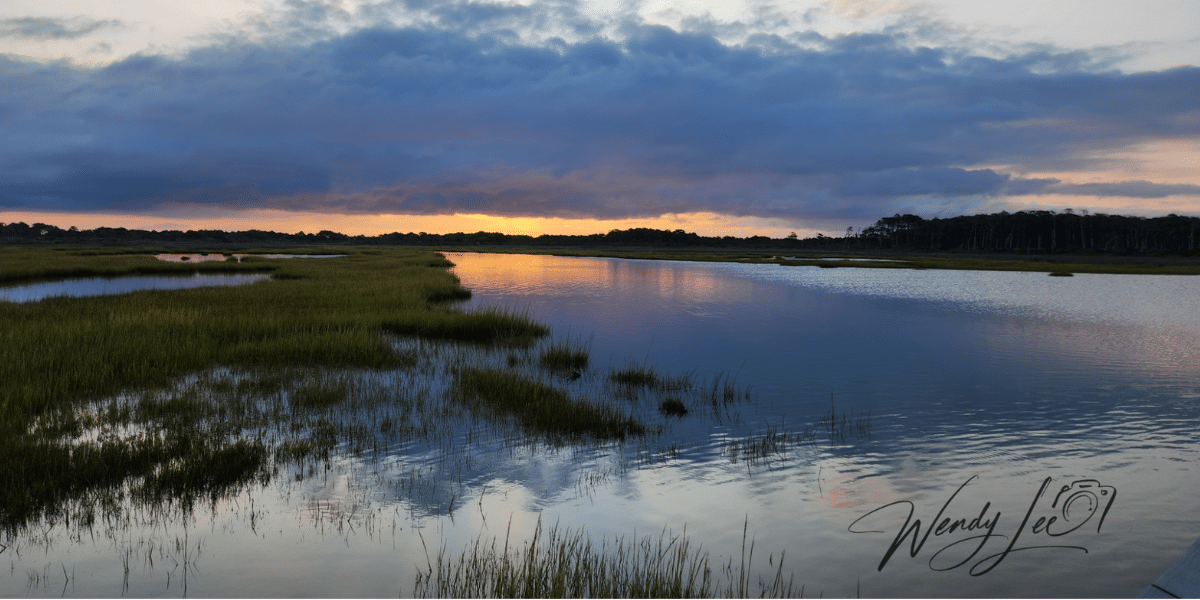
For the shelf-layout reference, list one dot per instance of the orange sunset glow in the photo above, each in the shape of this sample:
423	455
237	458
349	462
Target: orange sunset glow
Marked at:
706	224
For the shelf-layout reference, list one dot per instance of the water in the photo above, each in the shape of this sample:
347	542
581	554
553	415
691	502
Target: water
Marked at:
238	257
1006	377
980	387
101	286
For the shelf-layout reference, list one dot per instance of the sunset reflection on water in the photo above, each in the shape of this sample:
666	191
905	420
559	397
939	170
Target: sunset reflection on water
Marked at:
544	275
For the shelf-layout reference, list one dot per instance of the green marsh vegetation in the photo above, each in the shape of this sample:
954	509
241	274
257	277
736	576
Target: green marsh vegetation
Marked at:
19	264
538	407
636	376
567	564
77	369
565	356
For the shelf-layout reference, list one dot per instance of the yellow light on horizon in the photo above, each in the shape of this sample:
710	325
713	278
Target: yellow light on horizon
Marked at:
703	223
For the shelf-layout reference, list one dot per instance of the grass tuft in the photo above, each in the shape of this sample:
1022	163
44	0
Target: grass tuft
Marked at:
567	564
486	326
563	356
635	375
672	407
541	408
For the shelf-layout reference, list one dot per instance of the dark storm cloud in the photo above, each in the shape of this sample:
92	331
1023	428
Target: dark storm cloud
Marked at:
456	113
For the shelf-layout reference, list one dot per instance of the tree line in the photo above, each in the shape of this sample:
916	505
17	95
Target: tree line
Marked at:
1036	232
1023	232
637	237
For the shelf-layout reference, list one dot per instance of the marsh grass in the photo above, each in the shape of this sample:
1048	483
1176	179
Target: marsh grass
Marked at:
635	378
215	434
59	357
487	326
841	426
541	408
635	375
567	564
565	356
18	264
773	442
722	394
778	440
672	407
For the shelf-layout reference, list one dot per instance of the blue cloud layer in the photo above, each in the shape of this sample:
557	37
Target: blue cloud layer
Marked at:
458	114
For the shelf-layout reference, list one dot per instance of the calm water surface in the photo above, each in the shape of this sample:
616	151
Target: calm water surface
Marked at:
988	392
104	286
994	378
238	257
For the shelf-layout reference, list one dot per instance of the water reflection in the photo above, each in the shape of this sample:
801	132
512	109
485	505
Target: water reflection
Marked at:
984	383
101	286
207	257
1011	376
548	276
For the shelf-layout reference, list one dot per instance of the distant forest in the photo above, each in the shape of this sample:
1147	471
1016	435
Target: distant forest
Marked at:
1024	232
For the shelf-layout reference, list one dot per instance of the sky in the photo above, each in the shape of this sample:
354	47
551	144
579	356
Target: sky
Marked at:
576	117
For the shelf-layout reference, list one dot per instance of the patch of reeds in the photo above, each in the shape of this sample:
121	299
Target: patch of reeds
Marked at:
567	564
775	441
542	408
19	264
60	356
672	407
206	472
723	393
565	356
778	440
249	423
487	325
679	395
635	375
842	425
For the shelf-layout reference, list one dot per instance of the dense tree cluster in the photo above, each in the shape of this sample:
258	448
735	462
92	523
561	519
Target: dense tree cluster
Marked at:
1032	232
1036	232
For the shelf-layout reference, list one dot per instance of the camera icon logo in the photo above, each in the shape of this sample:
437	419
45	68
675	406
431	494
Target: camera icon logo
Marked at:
1080	501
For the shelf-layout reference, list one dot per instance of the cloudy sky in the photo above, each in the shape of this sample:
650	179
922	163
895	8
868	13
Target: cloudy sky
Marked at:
577	116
